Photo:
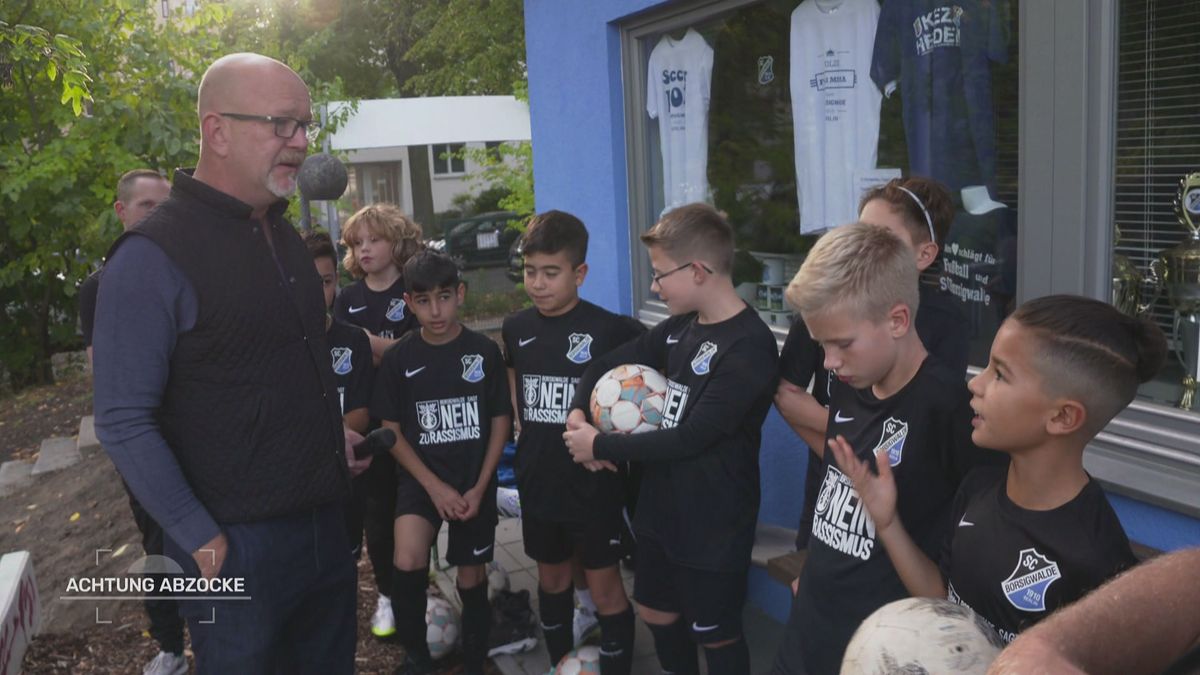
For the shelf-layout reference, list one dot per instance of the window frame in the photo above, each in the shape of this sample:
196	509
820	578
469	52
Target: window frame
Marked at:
450	149
1067	151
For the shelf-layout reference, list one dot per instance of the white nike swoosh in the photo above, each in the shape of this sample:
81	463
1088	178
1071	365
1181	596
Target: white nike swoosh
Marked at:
410	373
671	339
356	310
480	551
837	417
522	343
703	629
554	627
604	652
965	523
614	542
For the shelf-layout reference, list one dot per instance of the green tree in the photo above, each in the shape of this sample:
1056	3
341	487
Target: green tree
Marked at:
58	171
468	47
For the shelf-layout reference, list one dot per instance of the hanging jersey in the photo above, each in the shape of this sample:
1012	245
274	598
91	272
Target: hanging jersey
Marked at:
1014	566
941	52
548	354
444	398
677	91
350	353
924	432
700	485
382	313
835	108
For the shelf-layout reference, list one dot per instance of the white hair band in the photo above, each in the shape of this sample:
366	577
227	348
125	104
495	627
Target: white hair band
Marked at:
928	220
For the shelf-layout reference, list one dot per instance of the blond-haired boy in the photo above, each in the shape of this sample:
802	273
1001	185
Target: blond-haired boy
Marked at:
857	293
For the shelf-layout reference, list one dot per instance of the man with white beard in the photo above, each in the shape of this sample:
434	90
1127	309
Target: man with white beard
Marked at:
214	396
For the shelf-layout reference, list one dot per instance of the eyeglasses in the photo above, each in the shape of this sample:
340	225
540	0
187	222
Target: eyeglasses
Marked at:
285	127
657	278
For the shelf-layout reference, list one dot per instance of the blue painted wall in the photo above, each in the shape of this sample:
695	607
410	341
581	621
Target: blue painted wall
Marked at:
577	116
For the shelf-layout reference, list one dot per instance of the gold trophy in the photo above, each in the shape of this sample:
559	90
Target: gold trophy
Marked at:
1179	270
1129	285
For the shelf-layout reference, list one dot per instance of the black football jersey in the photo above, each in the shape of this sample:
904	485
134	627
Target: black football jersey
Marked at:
1014	566
444	398
382	313
924	431
700	483
548	354
350	353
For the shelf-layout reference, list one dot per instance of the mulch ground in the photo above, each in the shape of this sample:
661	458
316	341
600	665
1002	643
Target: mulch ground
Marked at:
63	517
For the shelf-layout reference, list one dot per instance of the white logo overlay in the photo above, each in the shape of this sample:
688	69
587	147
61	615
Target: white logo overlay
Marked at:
841	521
524	341
472	367
674	404
1026	587
891	441
448	420
410	373
356	310
547	398
703	359
838	419
671	339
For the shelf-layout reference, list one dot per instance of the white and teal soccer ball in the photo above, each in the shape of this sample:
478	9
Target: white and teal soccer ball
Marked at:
629	399
441	626
922	635
582	661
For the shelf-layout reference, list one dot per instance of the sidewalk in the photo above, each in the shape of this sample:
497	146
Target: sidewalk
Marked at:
763	633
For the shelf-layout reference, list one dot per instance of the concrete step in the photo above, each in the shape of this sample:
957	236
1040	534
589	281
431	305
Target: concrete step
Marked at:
14	475
87	440
56	453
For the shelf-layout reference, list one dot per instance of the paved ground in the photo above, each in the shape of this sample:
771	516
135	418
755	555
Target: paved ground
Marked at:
762	632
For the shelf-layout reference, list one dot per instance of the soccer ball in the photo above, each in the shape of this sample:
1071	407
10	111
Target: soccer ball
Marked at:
629	400
582	661
922	635
441	626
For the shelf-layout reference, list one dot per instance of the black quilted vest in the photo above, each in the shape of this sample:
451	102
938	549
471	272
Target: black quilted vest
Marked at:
249	409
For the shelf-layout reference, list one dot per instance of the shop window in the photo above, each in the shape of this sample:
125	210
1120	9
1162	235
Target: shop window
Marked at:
782	114
448	159
1157	145
378	183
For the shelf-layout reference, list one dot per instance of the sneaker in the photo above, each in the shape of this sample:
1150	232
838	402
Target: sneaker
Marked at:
586	625
383	624
166	663
513	624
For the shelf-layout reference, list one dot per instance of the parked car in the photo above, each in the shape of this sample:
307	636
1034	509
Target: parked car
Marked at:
516	261
480	240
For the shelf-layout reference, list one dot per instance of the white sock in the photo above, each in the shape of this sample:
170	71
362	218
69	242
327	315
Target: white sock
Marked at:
584	597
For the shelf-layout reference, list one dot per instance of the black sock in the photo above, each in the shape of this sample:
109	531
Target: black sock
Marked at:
616	642
476	623
675	649
408	609
557	613
731	659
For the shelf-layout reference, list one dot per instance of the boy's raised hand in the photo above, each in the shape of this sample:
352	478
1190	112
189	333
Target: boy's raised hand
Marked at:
877	491
449	504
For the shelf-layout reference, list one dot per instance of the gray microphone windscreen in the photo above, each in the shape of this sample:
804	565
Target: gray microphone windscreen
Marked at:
322	176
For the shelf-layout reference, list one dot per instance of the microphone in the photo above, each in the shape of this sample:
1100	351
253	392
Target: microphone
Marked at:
378	442
322	177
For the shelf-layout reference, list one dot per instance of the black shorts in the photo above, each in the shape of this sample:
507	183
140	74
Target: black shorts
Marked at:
471	542
599	541
710	602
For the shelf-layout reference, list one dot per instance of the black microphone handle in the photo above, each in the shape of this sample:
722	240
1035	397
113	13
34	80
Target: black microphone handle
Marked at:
377	442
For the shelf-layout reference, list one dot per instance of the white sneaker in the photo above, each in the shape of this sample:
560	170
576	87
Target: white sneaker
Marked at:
585	625
383	624
167	663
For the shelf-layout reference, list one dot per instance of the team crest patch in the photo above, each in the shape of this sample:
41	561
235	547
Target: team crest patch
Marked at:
580	350
891	440
703	360
395	310
826	492
766	69
1026	587
427	415
472	367
530	386
341	360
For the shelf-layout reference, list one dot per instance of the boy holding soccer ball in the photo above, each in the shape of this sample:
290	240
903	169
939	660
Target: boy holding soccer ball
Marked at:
443	390
700	489
566	510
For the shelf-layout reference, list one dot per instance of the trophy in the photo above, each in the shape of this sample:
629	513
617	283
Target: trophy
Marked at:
1129	285
1179	270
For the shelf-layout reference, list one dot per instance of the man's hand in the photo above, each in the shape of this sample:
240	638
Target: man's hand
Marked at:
353	438
449	504
473	497
211	556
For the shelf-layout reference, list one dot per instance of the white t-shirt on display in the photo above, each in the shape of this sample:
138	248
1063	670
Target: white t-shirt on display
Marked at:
835	107
677	93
